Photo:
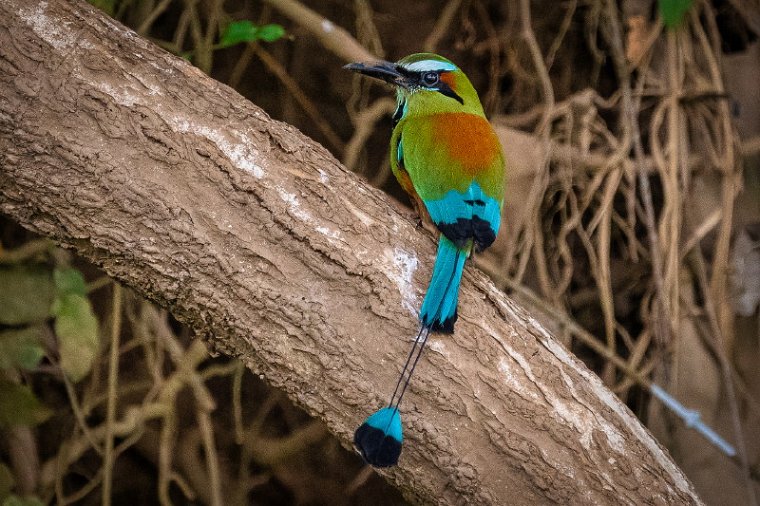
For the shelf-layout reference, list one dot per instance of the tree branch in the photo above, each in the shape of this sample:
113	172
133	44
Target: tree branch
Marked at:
257	238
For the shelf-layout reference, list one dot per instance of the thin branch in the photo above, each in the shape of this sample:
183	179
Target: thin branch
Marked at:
365	123
331	36
442	25
113	379
147	23
306	104
26	251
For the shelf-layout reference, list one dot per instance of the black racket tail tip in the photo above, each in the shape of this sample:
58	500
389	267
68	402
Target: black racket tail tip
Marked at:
380	438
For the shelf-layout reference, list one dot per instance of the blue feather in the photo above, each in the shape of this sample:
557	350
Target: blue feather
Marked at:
489	211
450	208
439	309
380	437
467	217
456	205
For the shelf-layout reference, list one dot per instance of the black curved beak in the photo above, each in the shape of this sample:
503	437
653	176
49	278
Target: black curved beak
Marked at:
383	70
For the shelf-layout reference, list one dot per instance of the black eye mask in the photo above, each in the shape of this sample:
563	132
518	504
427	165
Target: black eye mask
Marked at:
439	86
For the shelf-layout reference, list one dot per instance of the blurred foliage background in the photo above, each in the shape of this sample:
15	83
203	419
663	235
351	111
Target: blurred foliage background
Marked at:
632	131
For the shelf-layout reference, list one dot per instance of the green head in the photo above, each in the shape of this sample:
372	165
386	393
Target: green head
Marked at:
426	83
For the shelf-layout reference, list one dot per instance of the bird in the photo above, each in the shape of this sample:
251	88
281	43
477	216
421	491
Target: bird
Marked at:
447	157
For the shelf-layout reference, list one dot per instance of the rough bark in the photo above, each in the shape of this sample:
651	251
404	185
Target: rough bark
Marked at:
256	237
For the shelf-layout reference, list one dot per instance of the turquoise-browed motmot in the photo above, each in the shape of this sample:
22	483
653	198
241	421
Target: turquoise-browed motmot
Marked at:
446	155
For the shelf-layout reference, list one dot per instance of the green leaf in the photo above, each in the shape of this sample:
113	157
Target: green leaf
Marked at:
271	33
77	331
245	31
26	295
19	406
672	11
14	500
21	348
69	280
237	32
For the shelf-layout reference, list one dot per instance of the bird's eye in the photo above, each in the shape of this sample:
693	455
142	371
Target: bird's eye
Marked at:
430	78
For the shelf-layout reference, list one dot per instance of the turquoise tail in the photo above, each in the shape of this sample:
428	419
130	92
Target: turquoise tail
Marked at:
439	309
379	438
